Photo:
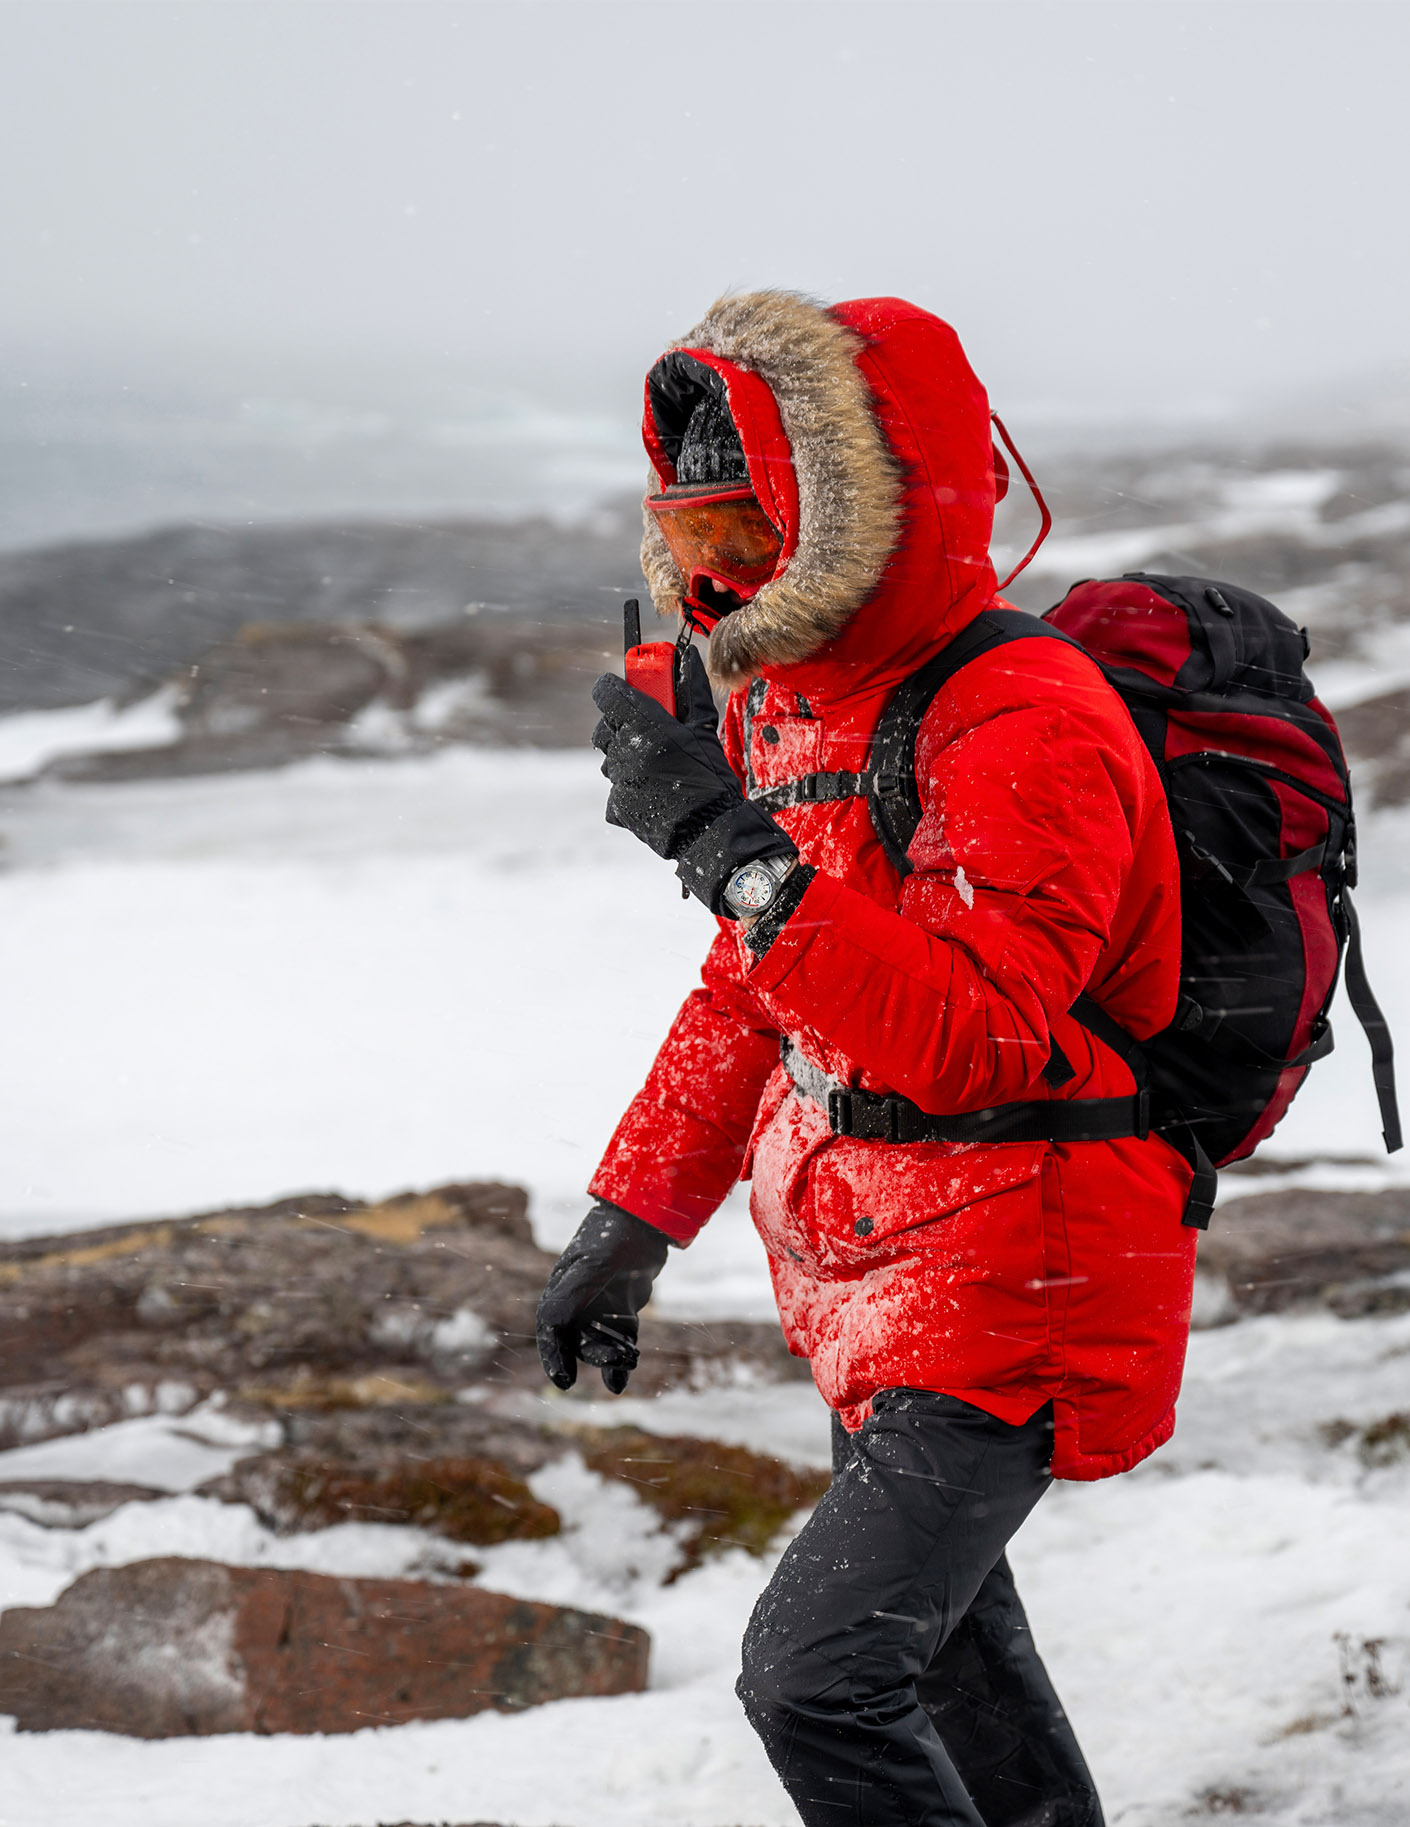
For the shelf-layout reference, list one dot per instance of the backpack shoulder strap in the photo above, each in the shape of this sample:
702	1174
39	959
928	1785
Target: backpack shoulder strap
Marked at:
893	793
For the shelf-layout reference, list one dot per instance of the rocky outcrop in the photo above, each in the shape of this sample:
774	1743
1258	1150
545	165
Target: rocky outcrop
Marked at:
314	1306
116	617
357	638
1376	733
714	1497
175	1648
1297	1247
278	693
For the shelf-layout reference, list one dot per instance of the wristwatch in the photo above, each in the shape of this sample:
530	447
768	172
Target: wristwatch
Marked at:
753	888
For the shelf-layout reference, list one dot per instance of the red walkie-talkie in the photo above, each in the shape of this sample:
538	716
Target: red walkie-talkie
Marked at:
650	665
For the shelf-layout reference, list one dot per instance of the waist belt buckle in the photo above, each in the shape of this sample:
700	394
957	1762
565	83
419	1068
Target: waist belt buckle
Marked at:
1143	1114
839	1110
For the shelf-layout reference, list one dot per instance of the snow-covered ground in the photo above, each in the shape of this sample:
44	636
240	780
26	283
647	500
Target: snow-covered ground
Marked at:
1229	1624
372	976
30	740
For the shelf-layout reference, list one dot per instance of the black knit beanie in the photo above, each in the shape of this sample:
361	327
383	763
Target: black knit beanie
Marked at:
710	450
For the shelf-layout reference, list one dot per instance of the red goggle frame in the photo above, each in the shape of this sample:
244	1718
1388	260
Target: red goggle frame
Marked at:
719	533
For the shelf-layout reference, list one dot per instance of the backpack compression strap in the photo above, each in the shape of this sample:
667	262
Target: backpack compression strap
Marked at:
1175	1128
1374	1026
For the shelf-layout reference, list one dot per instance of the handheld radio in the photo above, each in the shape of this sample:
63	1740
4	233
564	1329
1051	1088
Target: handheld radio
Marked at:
650	665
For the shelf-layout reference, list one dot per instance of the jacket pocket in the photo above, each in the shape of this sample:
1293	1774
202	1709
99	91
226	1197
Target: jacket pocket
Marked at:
865	1203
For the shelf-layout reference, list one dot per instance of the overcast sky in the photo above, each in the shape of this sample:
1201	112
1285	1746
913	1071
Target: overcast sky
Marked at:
1146	204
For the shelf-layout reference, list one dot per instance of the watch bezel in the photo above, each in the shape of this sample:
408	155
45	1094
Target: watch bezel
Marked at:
773	869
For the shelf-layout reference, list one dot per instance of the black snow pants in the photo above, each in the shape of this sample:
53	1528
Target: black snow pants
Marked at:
888	1667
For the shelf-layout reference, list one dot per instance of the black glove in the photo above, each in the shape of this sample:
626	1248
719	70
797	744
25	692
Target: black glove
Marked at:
672	786
598	1286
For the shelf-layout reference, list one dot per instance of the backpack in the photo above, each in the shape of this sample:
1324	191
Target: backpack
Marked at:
1260	804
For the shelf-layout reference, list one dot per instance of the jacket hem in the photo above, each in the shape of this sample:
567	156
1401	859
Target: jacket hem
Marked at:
1071	1463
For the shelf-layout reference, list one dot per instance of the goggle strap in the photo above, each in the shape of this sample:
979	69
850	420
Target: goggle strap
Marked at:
712	497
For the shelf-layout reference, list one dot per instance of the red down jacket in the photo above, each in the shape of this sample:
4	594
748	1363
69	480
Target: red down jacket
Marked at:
1010	1274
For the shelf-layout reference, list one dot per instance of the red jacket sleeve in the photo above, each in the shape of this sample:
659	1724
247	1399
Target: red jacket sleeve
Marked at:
1040	814
679	1148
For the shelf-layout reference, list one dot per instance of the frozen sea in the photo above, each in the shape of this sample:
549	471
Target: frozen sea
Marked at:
372	976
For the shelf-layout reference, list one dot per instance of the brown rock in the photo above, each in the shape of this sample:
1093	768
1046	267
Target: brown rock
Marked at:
70	1503
468	1500
310	1305
275	692
174	1648
1376	733
1298	1246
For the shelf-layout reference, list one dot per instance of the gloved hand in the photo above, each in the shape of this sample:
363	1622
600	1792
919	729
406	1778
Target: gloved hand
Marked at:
598	1286
672	786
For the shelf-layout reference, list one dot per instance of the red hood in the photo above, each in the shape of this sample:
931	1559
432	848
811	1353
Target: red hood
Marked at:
868	441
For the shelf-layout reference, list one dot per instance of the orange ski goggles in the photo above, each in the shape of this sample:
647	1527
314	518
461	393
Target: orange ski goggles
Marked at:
718	532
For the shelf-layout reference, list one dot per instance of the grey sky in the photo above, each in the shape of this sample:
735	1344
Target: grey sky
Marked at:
1148	204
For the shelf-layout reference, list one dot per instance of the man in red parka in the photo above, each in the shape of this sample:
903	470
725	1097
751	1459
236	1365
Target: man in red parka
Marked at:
981	1315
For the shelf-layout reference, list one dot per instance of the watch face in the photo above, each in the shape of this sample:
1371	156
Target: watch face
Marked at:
752	888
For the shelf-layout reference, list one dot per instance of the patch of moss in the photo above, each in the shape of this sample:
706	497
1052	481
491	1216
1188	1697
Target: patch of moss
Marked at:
468	1500
1232	1799
376	1389
1385	1442
728	1497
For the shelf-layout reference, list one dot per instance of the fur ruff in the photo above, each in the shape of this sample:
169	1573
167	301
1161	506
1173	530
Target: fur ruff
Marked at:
849	485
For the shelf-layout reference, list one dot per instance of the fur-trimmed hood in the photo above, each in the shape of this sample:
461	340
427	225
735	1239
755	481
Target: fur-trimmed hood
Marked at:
867	438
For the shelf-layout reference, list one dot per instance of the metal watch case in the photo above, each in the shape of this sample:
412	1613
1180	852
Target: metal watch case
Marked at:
753	888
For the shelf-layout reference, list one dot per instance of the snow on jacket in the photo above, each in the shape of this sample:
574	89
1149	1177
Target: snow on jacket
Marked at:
1007	1275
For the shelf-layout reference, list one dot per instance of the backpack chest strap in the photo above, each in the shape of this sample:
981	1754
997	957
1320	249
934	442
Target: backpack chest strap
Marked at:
819	789
888	783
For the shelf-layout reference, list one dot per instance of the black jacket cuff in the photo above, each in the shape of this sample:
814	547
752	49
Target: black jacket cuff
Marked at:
770	924
742	834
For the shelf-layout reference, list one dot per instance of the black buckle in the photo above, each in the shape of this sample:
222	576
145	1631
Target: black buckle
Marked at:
1143	1114
887	785
808	789
839	1110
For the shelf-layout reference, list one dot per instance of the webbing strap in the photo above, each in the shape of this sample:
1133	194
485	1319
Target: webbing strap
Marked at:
1271	869
1095	1020
1374	1026
888	783
1180	1134
812	790
868	1116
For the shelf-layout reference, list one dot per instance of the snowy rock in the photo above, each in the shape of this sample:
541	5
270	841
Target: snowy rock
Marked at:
110	617
274	694
175	1648
1347	1251
1376	733
65	1503
314	1305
